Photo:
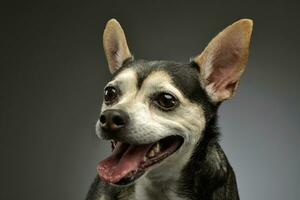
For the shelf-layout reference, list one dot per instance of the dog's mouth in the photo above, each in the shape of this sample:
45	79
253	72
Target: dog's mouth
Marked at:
128	162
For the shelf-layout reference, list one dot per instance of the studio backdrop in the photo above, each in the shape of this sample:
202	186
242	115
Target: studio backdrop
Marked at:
53	71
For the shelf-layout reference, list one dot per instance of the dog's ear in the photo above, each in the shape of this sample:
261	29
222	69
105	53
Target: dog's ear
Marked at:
224	59
115	45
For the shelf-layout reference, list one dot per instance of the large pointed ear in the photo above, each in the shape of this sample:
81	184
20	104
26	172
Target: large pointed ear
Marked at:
224	59
115	45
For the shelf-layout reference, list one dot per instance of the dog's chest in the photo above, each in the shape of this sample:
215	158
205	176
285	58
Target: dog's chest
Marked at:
147	190
157	195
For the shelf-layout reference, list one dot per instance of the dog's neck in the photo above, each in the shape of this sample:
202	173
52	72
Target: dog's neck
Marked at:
162	182
148	189
187	182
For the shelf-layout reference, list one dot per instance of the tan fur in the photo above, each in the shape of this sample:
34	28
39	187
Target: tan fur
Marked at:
235	39
115	45
149	124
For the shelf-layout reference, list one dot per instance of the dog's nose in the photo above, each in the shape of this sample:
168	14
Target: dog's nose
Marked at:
113	120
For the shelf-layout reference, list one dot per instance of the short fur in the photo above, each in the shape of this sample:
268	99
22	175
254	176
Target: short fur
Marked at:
199	169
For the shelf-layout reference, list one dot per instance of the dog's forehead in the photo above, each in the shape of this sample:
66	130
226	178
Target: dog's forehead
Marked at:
132	81
183	76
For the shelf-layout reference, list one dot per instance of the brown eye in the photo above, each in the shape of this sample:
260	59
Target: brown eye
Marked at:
110	94
166	101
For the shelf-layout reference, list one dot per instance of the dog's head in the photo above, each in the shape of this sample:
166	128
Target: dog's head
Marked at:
154	112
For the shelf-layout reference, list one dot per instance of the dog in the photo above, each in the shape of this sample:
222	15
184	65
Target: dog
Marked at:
161	119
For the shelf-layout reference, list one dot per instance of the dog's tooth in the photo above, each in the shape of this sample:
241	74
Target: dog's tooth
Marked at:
151	153
145	158
154	150
157	148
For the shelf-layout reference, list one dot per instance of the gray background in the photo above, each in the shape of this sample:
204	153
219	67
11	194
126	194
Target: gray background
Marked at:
53	71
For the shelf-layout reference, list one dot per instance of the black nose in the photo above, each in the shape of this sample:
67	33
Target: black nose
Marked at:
113	120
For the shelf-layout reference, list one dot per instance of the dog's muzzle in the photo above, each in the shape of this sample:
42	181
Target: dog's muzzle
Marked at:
129	161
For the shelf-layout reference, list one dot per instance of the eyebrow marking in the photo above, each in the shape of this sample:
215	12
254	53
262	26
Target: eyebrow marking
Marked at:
160	81
126	79
142	74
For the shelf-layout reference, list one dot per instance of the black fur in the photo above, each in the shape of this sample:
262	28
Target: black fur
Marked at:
206	176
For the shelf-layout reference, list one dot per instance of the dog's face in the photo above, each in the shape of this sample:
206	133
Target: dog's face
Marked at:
154	112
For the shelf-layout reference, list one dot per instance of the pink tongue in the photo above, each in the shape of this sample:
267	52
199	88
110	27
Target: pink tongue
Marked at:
123	160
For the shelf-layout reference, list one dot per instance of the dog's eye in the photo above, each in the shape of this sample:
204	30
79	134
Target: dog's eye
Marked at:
110	94
166	101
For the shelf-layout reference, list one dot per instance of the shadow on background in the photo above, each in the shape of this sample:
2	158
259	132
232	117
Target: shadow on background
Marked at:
53	71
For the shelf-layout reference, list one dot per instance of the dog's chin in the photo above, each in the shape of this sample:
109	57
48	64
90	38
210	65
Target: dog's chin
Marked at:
128	162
